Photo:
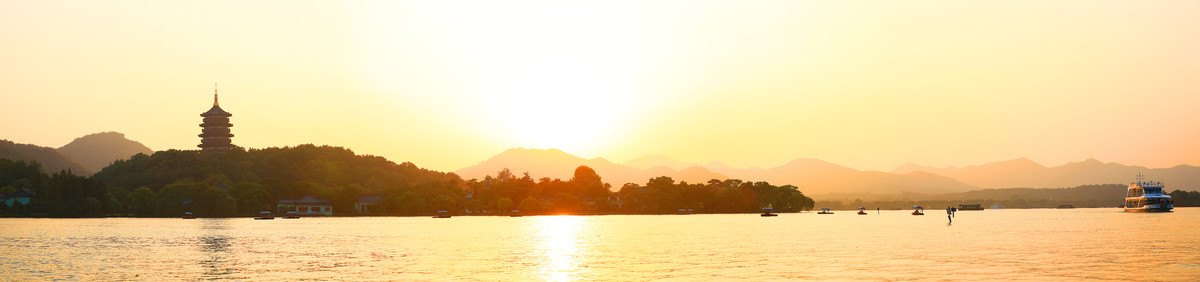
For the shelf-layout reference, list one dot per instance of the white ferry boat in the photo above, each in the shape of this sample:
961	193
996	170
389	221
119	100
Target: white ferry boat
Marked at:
1147	196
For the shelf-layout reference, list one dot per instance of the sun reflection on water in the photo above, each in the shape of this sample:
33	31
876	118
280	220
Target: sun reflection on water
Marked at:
560	244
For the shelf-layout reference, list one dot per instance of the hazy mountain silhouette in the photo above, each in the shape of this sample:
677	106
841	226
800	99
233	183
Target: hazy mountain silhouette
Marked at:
52	161
811	175
98	150
815	176
554	163
653	161
1027	173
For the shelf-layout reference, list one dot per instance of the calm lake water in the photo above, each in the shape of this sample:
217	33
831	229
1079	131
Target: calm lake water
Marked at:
1039	244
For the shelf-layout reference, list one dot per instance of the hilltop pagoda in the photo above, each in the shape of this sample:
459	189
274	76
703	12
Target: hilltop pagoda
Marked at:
215	137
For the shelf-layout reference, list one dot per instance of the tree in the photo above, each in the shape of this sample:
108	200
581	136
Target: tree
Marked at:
442	203
503	205
250	197
142	202
530	205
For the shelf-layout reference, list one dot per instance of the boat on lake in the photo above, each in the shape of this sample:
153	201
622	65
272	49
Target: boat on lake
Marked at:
824	211
862	211
264	215
1066	206
997	206
768	211
1147	196
291	215
442	214
918	210
973	207
514	213
188	215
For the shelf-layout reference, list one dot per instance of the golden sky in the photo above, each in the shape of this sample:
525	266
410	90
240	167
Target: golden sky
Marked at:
446	84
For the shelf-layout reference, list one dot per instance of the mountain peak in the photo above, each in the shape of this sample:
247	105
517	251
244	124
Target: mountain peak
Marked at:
98	150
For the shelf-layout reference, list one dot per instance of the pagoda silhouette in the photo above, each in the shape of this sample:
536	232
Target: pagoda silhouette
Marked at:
215	137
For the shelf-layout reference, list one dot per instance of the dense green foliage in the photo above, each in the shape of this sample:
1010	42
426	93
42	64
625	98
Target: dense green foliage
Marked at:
170	182
61	194
1186	198
175	181
585	193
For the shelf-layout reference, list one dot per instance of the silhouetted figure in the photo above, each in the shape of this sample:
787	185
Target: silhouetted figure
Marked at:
950	214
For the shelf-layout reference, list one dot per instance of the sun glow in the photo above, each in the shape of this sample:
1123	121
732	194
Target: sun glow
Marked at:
557	78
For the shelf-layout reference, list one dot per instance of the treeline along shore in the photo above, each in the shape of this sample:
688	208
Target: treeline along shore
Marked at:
245	182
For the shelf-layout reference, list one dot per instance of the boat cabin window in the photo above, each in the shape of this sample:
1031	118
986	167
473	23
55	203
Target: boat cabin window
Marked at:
1153	190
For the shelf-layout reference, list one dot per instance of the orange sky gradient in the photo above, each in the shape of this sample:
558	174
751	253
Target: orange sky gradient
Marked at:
446	84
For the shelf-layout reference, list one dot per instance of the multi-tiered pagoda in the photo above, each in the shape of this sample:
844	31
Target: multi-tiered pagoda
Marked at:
214	139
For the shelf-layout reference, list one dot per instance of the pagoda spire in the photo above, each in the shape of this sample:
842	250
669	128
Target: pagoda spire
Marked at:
215	135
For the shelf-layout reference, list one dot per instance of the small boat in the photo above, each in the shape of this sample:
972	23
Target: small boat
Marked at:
188	215
862	211
265	215
1147	196
974	207
768	211
1066	206
918	210
514	213
824	211
997	206
682	211
442	214
291	215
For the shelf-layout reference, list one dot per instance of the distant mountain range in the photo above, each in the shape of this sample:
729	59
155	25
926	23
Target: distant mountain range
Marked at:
1027	173
817	177
813	176
83	156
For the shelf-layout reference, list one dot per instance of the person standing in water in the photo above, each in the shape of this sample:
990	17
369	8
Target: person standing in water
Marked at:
949	212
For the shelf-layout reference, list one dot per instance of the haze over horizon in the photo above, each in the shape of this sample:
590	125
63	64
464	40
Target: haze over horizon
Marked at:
447	85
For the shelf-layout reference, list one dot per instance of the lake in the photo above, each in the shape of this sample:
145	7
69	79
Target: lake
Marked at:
1013	244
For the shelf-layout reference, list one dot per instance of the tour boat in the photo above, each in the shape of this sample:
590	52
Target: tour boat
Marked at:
767	211
188	215
997	206
917	210
442	214
824	211
862	211
264	215
1147	196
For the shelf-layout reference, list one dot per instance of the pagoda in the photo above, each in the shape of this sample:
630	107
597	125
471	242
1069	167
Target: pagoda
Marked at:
214	138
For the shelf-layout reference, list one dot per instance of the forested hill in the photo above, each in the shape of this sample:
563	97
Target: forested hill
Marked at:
95	151
51	160
286	173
